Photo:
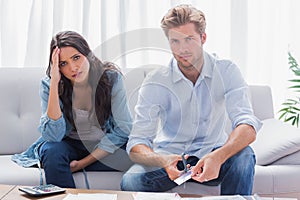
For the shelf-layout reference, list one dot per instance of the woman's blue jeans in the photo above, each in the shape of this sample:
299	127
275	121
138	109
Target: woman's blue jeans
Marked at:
56	158
236	176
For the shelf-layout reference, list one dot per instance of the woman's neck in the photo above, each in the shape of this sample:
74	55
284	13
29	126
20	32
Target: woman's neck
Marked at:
80	85
82	96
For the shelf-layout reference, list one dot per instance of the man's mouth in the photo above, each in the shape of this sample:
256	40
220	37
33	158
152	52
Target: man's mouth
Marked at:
185	56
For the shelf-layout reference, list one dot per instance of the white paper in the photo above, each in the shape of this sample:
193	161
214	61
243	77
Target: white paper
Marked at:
156	196
229	197
94	196
183	177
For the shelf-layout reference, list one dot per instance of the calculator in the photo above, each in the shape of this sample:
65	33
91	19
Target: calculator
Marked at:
42	190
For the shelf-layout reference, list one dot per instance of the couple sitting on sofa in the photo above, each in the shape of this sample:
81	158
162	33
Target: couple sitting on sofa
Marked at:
86	116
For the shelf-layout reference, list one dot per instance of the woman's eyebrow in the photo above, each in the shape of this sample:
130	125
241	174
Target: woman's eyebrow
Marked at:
75	55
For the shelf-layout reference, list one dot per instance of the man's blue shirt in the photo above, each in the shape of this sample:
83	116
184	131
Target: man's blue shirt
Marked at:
173	115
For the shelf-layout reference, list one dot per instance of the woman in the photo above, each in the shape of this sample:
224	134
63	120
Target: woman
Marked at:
85	112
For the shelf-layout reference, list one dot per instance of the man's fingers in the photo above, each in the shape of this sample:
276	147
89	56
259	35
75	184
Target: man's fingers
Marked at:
186	156
198	168
200	178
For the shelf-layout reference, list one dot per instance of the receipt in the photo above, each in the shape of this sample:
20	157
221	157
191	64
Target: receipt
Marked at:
183	177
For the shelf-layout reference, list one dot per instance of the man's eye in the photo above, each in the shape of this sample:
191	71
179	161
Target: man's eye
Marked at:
76	57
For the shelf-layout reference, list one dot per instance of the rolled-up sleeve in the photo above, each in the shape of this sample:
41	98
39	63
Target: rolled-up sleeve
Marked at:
146	120
238	103
51	130
119	125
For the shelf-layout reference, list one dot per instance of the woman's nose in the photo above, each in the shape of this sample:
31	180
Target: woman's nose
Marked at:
74	67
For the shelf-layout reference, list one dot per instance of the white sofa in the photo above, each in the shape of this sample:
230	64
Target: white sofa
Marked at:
277	147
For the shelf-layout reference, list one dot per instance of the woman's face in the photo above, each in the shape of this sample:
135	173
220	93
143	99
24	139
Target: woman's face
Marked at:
73	65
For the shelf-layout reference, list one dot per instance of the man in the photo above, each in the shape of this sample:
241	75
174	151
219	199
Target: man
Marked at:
189	100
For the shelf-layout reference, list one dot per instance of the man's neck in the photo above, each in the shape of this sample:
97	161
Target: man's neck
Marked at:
192	73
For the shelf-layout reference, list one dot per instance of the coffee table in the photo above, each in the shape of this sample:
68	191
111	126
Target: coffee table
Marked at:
13	193
5	189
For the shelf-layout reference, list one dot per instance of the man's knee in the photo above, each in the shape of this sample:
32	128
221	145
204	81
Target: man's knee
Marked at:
130	182
244	161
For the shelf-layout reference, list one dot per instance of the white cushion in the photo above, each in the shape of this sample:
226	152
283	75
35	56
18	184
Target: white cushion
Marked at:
275	140
292	159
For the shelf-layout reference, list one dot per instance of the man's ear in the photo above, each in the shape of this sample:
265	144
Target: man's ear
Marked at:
203	38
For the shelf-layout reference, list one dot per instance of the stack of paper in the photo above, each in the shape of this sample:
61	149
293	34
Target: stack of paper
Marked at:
156	196
95	196
231	197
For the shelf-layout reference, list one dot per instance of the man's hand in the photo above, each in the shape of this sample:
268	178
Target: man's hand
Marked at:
75	166
145	155
207	168
171	167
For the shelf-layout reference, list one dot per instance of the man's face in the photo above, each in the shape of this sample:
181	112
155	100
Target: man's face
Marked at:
187	46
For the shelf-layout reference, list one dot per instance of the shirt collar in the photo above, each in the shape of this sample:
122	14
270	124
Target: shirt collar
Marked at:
176	73
207	69
208	64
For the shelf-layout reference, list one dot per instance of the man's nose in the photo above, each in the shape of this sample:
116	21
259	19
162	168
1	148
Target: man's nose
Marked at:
183	47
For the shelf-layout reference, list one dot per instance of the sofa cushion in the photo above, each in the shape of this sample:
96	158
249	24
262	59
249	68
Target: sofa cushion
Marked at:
13	174
275	140
292	159
20	108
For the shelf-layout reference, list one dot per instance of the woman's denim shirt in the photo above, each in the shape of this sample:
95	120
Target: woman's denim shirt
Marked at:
117	127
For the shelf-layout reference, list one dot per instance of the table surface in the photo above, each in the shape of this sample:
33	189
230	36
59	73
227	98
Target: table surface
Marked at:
5	189
11	192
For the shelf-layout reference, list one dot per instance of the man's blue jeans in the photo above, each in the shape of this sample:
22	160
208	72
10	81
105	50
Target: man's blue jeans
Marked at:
56	158
236	176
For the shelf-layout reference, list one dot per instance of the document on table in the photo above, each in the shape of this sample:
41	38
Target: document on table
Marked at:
238	197
156	196
229	197
95	196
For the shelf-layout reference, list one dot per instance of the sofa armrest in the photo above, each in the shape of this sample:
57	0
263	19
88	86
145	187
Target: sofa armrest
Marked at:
262	102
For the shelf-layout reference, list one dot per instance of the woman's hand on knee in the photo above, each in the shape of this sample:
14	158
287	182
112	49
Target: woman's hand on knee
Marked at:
75	166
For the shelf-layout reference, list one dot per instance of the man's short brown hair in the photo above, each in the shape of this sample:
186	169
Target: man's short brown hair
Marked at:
181	15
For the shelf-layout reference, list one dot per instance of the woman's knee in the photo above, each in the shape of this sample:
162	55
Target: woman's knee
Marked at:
53	151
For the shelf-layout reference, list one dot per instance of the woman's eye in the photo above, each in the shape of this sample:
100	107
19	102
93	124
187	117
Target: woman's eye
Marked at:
62	64
76	57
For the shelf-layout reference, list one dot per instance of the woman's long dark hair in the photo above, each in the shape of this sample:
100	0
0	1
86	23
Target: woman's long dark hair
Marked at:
99	80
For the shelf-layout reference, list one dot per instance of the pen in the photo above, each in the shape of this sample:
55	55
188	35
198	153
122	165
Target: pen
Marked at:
184	162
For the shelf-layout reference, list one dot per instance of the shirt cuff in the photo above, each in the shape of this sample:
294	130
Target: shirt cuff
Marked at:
135	141
250	120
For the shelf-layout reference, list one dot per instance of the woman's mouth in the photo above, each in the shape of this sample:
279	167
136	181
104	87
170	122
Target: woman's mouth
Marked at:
76	75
